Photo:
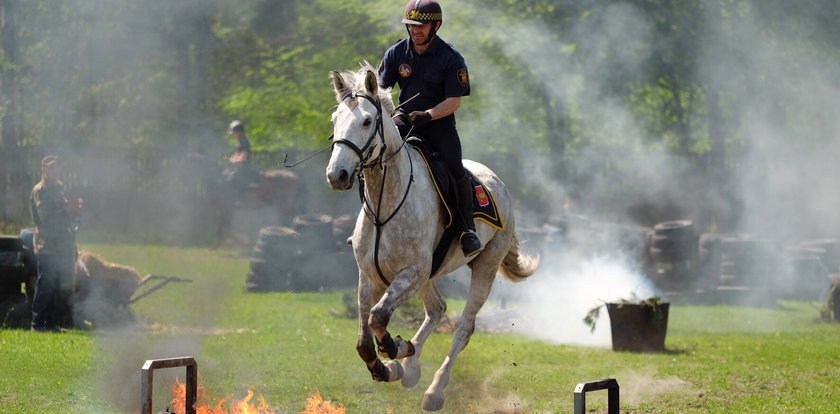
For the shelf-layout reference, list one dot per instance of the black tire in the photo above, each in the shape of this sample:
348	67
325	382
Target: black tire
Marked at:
10	244
674	229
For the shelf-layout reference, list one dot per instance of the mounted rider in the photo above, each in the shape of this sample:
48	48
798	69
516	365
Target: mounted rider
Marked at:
424	65
239	172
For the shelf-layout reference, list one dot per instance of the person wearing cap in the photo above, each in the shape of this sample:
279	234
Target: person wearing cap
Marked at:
54	242
424	65
239	173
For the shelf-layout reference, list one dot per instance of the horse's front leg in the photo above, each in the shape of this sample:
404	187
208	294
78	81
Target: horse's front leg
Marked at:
404	286
379	371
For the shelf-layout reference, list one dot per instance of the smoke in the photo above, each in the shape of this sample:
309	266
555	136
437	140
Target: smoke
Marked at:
785	106
552	304
769	70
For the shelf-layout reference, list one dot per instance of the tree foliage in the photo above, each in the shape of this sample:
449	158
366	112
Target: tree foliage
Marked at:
683	80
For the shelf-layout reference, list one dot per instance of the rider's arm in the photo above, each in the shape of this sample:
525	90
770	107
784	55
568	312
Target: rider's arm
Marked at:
445	108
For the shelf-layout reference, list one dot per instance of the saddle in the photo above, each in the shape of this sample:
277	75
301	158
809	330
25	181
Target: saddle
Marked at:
484	206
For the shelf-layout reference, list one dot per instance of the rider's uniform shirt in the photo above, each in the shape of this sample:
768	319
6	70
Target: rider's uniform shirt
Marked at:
438	73
244	146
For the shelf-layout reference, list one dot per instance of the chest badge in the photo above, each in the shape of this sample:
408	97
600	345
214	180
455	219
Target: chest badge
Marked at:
405	70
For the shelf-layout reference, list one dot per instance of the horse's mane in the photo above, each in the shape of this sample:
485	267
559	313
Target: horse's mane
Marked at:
355	81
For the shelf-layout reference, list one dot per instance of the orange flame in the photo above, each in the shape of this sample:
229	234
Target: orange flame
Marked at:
315	404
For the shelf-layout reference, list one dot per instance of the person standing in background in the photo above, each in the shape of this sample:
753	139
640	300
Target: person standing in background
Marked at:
54	242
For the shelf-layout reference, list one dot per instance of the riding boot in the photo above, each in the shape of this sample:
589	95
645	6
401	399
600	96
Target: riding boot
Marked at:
470	243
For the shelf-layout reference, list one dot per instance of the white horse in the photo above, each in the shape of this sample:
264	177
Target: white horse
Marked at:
397	229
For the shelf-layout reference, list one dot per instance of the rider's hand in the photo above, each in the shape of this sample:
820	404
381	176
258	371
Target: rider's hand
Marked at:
402	120
420	118
237	157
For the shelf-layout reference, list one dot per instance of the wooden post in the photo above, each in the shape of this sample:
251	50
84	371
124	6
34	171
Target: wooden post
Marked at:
147	381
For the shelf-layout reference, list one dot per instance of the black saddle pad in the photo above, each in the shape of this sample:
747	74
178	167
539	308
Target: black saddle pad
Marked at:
484	206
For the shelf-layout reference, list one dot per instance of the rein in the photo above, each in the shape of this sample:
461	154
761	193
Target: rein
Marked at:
364	153
379	115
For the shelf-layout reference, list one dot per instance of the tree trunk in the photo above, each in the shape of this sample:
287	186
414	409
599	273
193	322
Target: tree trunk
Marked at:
8	136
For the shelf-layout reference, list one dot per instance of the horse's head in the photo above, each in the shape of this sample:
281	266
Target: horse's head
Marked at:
358	126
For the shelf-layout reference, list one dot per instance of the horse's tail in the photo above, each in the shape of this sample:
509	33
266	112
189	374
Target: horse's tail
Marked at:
517	266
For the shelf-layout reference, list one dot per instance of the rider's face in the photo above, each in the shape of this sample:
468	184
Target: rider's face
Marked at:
50	172
420	33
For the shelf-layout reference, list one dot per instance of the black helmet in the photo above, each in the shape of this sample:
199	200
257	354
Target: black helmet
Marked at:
236	126
422	11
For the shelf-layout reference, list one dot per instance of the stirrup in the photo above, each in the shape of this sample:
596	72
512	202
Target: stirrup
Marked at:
470	244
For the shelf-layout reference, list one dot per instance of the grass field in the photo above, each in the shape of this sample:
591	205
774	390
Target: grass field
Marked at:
286	347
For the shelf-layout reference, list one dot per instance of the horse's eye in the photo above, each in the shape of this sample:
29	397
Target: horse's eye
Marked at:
366	123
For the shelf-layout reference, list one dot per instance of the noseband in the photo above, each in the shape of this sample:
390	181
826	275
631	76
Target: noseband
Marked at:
365	151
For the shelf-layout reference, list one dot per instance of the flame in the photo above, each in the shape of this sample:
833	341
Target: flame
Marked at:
315	404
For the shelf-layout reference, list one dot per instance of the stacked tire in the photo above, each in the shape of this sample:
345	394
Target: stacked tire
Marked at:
673	247
273	259
809	265
744	260
674	241
306	258
14	309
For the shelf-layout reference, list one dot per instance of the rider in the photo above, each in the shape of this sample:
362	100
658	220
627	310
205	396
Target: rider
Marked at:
239	173
423	63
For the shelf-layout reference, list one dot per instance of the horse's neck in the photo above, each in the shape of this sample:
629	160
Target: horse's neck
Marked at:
391	179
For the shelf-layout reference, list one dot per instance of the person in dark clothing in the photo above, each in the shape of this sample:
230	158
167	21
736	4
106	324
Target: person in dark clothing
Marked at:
239	172
424	65
54	242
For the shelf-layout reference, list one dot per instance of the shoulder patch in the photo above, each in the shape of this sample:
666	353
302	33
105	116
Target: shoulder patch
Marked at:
463	77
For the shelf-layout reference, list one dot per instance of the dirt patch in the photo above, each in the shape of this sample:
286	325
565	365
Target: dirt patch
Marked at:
639	387
159	328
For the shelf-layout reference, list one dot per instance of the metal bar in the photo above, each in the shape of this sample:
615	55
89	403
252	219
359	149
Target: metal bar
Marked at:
609	384
166	279
149	291
147	381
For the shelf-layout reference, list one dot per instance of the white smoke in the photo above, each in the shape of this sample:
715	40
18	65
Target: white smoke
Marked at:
552	304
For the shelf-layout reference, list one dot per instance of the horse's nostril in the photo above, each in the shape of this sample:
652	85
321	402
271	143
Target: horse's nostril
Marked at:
343	176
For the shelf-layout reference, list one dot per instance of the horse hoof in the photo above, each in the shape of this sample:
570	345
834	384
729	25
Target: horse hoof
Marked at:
395	370
411	368
432	402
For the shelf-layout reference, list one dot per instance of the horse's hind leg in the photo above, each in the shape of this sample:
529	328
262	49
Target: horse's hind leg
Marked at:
483	273
369	293
435	307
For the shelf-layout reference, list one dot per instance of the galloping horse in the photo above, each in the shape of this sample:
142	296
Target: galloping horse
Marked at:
396	232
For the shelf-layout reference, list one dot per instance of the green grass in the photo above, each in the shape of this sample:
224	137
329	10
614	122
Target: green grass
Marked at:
285	346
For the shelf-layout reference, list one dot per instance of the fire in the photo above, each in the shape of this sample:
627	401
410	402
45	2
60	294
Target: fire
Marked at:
315	404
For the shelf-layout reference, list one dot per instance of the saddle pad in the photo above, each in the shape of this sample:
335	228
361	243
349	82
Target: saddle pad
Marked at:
484	206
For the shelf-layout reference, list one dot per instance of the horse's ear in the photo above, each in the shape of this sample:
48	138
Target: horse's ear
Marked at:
339	85
371	84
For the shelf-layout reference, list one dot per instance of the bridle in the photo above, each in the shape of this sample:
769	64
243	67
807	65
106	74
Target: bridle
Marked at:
366	150
365	153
